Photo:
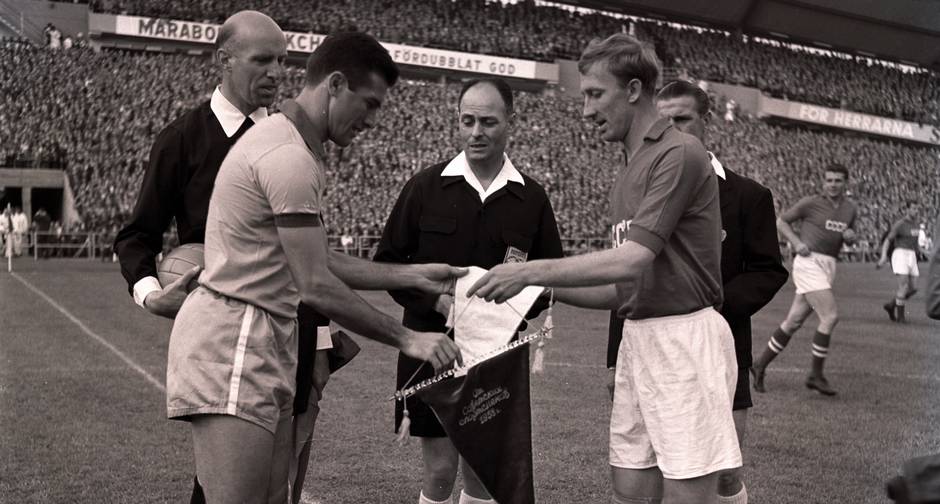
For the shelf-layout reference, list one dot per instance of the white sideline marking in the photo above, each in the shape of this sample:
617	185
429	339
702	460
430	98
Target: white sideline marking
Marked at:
91	334
915	377
304	498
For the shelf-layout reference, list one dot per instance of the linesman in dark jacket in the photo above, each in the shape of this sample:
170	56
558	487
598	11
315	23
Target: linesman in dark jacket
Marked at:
184	162
474	210
751	267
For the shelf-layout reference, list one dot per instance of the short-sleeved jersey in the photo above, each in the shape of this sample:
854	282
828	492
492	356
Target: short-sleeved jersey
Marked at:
822	222
274	175
905	235
666	199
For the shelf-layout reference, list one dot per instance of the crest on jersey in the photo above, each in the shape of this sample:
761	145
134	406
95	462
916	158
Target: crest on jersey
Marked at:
514	255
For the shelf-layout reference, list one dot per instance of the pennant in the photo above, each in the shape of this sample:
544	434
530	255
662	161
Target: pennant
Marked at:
487	415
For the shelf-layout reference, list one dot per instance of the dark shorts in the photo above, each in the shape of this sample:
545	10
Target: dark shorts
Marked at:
308	320
742	391
423	421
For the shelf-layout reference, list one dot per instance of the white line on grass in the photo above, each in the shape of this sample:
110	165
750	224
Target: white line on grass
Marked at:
305	497
915	377
91	334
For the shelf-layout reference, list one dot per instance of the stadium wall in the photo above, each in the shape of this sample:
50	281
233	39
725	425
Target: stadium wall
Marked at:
28	180
70	18
109	29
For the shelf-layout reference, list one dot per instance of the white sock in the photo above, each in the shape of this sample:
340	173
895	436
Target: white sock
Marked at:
424	500
466	499
739	498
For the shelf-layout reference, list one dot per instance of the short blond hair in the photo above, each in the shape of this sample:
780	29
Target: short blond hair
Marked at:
627	58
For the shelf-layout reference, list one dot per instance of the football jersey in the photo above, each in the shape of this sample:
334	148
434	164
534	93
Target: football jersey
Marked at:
906	235
822	223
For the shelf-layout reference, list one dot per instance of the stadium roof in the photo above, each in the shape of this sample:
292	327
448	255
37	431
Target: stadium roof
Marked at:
899	30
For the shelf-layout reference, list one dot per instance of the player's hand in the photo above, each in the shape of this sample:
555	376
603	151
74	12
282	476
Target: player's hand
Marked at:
167	302
802	249
611	380
444	304
437	278
881	262
849	236
435	348
500	283
321	371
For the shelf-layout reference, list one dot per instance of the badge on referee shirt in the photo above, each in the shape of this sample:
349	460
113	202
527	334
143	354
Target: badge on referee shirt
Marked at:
514	255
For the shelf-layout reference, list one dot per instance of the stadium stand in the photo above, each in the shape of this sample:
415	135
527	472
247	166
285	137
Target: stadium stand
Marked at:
547	33
96	113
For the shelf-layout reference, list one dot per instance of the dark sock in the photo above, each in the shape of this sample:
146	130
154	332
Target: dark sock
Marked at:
198	497
820	352
775	345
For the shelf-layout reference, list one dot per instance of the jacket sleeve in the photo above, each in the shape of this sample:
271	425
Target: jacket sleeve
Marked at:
933	280
763	273
546	245
399	244
139	242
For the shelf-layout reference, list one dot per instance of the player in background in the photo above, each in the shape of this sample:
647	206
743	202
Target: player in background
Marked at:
904	234
826	222
664	277
751	268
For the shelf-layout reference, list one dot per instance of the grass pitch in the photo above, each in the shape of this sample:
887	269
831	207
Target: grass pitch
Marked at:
82	424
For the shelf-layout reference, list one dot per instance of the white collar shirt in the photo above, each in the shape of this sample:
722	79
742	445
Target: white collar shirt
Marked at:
719	168
459	167
228	114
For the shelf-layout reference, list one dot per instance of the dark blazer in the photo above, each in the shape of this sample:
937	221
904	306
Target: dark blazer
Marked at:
184	161
933	278
751	268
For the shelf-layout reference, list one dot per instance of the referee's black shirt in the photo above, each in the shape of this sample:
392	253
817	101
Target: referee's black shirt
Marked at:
441	219
184	161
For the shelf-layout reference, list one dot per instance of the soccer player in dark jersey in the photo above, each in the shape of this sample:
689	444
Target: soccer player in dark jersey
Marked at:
904	234
676	369
826	223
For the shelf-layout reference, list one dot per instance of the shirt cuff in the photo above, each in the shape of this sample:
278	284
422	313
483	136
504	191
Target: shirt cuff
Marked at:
324	340
143	287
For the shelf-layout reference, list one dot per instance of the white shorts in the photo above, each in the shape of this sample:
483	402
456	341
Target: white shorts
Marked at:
904	262
673	392
813	273
230	358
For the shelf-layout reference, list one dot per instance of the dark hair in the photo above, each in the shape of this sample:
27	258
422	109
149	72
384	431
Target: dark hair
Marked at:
627	58
501	86
355	55
680	88
838	168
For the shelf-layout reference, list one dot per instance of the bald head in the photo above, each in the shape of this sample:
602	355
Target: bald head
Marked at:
251	49
245	27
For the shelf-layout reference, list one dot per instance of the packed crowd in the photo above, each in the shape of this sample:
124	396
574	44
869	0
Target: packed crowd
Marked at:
547	33
97	114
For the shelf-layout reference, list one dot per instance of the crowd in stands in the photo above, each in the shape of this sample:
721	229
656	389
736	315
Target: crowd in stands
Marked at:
96	113
546	33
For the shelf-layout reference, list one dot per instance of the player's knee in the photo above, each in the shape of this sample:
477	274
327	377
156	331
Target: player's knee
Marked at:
440	476
829	320
729	482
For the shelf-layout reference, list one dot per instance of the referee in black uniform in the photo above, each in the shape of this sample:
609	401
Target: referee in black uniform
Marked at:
474	210
184	161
